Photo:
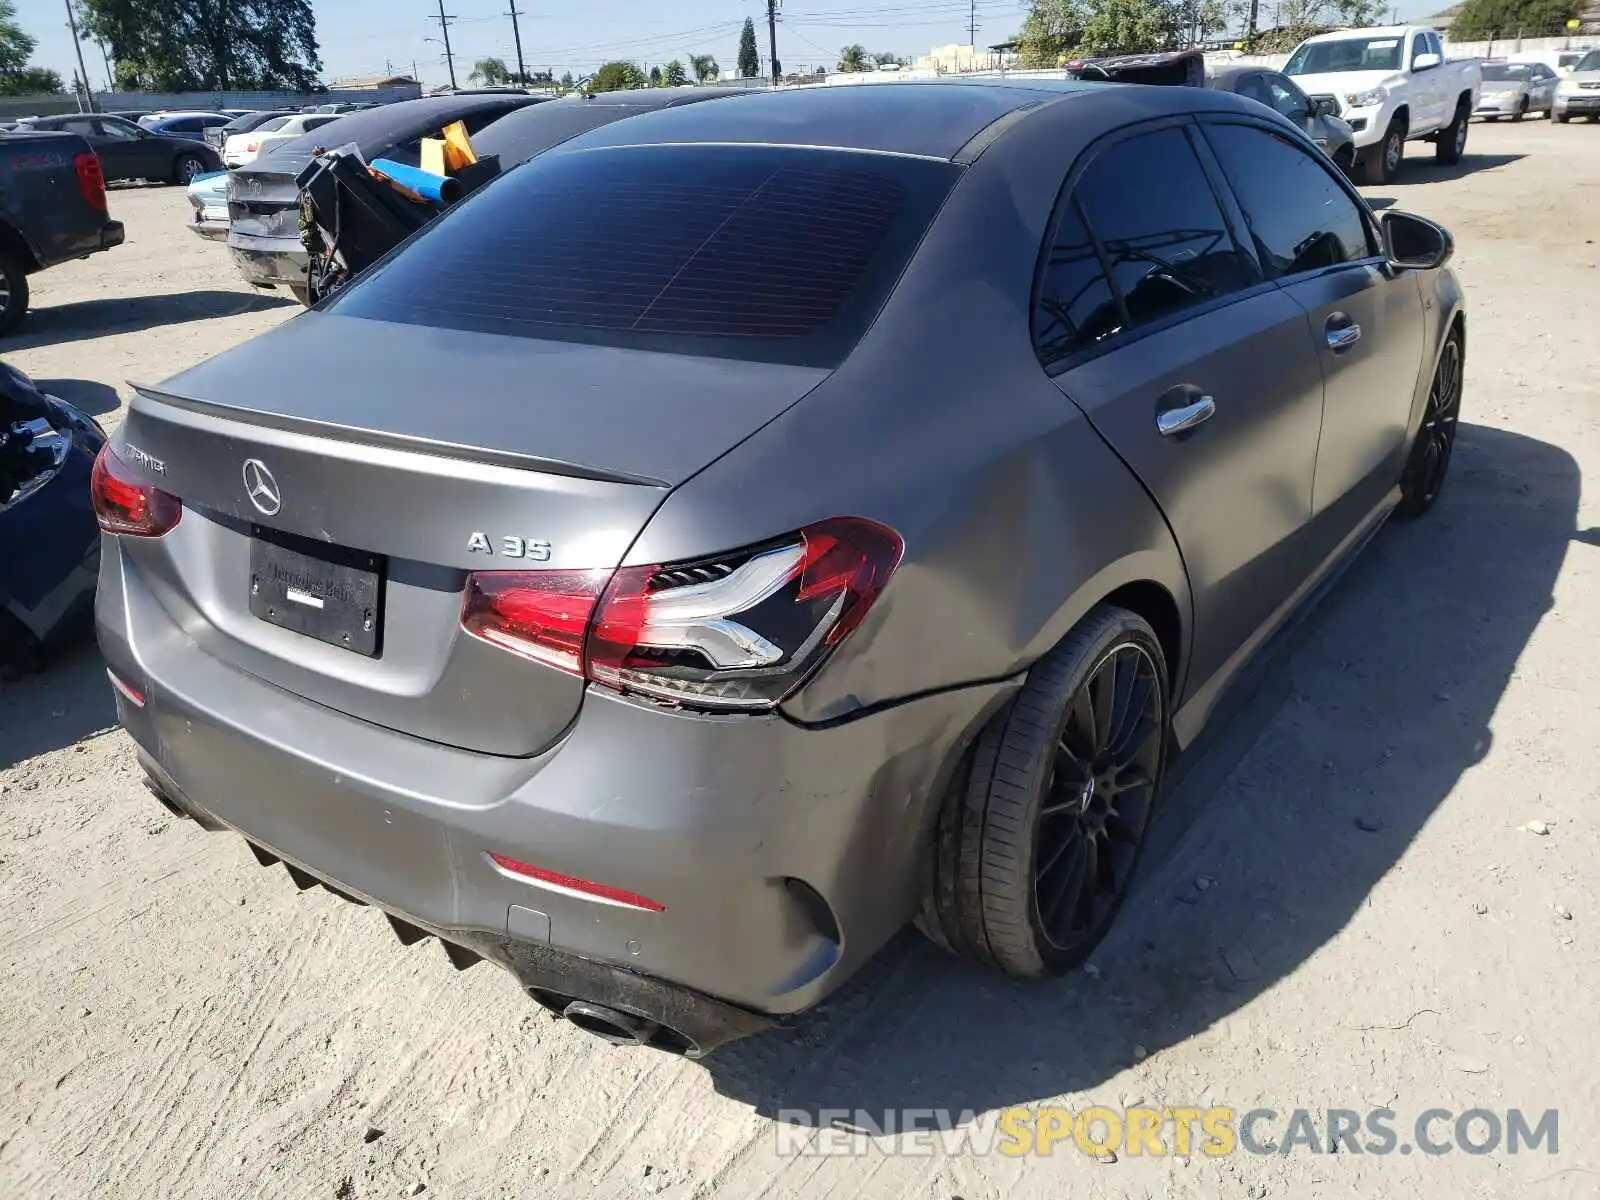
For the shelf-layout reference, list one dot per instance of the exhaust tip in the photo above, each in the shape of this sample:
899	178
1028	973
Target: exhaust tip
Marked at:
618	1028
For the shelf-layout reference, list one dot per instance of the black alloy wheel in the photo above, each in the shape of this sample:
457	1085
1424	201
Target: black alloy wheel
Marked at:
1430	453
1038	838
1099	798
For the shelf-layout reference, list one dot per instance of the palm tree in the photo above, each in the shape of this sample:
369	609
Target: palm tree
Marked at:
853	58
704	67
491	72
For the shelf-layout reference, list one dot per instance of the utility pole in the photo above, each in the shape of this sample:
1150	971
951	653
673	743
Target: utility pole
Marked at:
516	32
972	27
772	36
1250	29
83	72
444	28
111	76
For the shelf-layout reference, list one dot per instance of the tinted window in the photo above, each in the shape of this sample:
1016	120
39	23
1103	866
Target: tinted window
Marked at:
317	122
1345	54
741	251
183	125
1151	206
117	127
1255	88
270	126
1299	217
1288	99
1076	306
82	126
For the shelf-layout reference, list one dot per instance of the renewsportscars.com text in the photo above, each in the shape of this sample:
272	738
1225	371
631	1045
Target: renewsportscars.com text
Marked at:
1166	1130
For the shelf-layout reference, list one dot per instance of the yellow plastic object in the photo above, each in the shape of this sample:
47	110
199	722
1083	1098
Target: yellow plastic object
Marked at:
433	156
458	151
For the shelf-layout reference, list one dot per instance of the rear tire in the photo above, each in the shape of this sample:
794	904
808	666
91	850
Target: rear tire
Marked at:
185	167
13	293
1562	117
1034	854
1452	139
1383	163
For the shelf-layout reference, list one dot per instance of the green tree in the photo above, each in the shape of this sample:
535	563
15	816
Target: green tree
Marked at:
1050	33
704	67
673	74
749	56
566	81
1481	20
890	60
16	47
492	72
853	58
655	76
204	45
617	76
1297	20
1130	27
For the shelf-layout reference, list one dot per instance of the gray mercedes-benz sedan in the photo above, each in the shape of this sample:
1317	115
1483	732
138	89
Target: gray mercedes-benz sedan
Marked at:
752	525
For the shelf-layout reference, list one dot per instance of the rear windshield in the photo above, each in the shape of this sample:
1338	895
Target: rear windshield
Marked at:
777	254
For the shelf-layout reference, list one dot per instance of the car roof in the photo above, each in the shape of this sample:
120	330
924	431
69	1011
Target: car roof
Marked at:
519	135
929	119
183	116
376	130
1339	35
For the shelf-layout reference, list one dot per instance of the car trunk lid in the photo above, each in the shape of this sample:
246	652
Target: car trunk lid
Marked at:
376	483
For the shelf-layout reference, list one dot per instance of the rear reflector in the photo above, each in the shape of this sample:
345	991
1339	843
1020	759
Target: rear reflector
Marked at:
125	689
571	885
123	504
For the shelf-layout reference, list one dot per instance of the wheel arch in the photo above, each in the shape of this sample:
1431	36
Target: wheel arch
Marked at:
13	243
1403	115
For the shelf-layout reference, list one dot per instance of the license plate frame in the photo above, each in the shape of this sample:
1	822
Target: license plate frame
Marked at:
332	594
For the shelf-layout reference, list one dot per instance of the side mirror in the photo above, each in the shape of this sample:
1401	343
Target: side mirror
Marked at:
1326	106
1425	62
1411	242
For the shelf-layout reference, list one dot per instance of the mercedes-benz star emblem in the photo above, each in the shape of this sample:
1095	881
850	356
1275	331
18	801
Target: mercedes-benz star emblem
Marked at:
261	487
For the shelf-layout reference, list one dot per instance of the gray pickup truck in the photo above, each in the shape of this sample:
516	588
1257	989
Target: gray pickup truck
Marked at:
52	210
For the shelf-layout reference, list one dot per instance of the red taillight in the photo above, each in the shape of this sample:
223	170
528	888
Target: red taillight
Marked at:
251	147
91	180
540	614
122	504
130	693
585	888
742	630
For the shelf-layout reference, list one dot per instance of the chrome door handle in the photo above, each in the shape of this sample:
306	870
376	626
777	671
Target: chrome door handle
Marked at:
1344	338
1179	420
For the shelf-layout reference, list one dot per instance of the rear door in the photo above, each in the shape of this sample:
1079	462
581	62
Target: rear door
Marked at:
1318	241
1157	322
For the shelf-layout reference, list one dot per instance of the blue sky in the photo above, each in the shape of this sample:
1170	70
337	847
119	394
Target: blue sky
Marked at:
360	37
365	37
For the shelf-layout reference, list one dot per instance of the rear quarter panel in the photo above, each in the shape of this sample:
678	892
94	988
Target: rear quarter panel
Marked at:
1017	518
41	201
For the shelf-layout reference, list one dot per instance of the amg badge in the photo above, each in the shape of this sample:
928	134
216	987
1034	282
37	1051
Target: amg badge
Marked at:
511	547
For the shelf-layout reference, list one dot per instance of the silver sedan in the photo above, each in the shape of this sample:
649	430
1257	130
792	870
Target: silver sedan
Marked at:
1515	89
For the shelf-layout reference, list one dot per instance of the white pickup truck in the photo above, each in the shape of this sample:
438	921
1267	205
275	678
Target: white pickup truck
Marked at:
1393	85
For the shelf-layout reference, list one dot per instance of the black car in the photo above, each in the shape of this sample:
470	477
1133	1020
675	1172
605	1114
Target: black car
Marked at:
47	523
52	210
128	152
217	136
264	197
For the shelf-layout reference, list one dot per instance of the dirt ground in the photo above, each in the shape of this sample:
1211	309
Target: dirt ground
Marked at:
1344	907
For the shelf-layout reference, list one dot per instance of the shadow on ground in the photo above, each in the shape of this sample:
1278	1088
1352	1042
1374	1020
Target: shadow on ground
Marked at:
93	398
81	319
65	702
1371	708
1421	167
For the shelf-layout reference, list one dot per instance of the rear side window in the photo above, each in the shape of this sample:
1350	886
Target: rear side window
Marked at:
769	253
1149	205
1299	216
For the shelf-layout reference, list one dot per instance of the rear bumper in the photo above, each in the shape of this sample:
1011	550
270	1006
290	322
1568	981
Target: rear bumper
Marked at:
269	261
785	856
1497	107
213	229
